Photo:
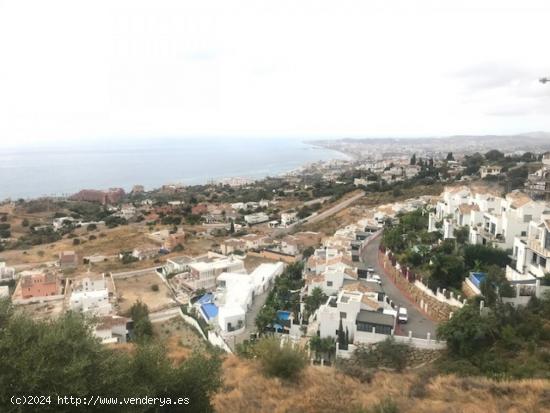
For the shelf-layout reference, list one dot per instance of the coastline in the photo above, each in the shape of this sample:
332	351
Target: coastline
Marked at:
273	169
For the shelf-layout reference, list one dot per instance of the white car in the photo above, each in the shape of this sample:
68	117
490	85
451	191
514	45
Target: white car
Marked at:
403	316
376	278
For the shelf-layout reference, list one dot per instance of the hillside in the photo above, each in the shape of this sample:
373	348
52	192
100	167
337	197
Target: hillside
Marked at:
322	389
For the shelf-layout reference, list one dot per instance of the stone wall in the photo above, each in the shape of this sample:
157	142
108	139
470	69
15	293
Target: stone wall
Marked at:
429	305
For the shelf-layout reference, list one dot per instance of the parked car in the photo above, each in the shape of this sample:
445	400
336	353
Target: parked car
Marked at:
403	316
376	277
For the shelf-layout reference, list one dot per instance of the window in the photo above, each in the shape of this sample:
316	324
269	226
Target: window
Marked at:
329	283
542	262
342	314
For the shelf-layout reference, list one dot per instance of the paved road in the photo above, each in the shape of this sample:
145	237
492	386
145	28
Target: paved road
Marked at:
132	273
418	323
166	314
333	210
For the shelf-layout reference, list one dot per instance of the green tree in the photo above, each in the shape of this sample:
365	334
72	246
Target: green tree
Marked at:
143	329
266	316
468	332
62	357
494	155
314	300
323	347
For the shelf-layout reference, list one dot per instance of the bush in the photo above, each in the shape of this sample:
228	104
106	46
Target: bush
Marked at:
76	241
155	287
281	361
387	354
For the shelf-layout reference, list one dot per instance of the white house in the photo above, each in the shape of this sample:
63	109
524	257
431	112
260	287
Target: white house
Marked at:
6	273
202	271
288	218
111	329
256	218
4	291
236	292
448	229
329	281
145	253
355	315
532	252
90	295
490	170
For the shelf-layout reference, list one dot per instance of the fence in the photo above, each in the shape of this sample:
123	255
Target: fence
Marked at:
365	337
438	305
218	341
190	320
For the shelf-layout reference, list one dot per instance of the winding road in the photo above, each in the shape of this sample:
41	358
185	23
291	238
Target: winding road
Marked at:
418	323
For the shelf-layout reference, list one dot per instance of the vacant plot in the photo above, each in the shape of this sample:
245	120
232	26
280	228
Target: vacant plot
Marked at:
176	333
43	311
250	263
147	288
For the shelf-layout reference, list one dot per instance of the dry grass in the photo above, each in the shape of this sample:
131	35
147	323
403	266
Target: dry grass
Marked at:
129	290
327	390
177	333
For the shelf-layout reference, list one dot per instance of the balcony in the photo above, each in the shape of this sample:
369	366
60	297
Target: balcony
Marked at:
534	245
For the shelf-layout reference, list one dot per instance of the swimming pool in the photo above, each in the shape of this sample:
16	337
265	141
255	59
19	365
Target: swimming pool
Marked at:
283	315
477	278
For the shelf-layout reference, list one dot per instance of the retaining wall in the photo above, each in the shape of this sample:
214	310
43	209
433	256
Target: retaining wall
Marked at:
435	307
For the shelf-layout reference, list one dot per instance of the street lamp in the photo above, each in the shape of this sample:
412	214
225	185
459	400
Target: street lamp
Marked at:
544	80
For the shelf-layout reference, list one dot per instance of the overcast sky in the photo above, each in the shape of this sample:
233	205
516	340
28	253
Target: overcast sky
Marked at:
114	69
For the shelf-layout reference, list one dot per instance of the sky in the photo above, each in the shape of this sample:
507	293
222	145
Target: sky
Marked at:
125	69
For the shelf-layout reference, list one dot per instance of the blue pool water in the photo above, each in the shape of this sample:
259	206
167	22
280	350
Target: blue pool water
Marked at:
211	310
477	278
283	315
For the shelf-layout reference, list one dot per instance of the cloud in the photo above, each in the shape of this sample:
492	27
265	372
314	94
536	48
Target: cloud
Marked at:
492	75
126	68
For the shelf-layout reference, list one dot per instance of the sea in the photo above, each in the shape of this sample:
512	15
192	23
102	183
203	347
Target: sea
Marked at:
63	169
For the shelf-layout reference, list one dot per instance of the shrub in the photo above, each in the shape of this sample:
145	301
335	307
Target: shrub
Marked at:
280	360
76	241
155	287
387	353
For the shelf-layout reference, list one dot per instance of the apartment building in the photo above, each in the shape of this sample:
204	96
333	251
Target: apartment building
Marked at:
531	253
493	220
